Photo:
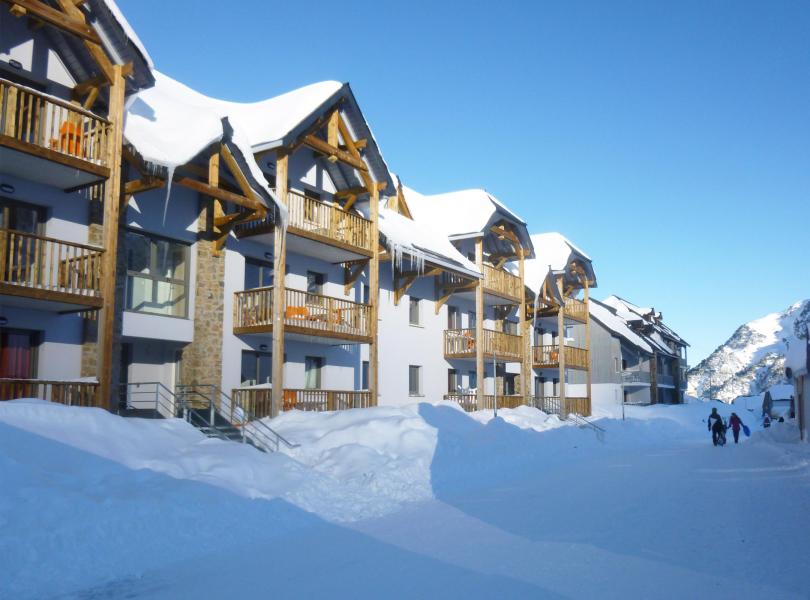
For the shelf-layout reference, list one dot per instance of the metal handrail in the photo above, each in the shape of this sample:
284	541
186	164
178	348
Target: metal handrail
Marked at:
239	416
585	423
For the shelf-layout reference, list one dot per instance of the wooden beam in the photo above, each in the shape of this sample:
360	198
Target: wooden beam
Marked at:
279	296
94	47
352	191
83	87
359	144
233	167
318	144
332	128
219	193
374	296
92	95
355	152
351	272
112	213
143	185
402	283
51	16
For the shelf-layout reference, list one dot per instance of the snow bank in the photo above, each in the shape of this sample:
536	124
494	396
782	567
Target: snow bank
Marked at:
524	417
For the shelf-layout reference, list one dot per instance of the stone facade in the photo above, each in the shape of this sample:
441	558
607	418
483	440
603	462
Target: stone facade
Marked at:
202	359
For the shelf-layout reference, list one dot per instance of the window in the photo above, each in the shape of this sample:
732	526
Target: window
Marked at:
510	327
471	320
18	353
414	380
258	274
21	217
315	282
473	380
257	367
509	384
157	275
312	372
453	382
366	293
453	318
413	312
364	375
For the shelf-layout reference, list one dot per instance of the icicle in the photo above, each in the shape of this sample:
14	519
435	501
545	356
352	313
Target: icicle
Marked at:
169	179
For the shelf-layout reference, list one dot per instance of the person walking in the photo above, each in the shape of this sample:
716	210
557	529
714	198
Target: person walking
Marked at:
736	424
717	427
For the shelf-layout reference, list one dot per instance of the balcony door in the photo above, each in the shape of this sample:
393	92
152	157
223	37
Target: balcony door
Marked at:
20	256
18	354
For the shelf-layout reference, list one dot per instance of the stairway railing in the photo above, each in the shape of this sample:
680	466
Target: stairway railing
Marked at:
238	415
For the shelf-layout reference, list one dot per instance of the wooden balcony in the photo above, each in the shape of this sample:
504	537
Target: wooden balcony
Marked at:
321	222
306	314
548	357
259	400
503	284
469	402
47	273
461	343
71	393
575	309
49	140
551	405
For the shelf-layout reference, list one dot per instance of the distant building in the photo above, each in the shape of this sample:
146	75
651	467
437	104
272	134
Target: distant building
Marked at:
797	362
635	358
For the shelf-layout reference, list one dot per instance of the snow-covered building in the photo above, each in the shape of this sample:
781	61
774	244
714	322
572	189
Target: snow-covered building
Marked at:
476	330
668	365
66	69
559	274
797	370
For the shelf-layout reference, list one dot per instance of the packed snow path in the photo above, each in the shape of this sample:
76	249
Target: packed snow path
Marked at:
509	512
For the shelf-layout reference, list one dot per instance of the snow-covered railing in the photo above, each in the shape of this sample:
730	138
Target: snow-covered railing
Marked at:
319	220
259	400
502	283
47	264
548	357
552	405
461	343
315	313
71	393
30	117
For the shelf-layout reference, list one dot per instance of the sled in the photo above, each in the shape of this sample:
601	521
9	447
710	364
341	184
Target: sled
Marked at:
746	431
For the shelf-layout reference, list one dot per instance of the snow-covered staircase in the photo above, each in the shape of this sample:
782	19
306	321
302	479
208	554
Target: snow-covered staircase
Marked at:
204	406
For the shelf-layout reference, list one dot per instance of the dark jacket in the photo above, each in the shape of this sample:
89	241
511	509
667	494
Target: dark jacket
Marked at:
718	421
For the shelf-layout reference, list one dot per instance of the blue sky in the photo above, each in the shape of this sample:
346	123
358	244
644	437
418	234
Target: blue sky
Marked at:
669	140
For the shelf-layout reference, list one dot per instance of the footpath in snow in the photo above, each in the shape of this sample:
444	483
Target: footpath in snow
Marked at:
414	501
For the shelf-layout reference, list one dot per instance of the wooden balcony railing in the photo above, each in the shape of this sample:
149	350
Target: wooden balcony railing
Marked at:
461	343
548	357
321	221
469	402
259	400
551	405
312	314
666	380
71	393
502	283
42	267
576	309
36	119
636	377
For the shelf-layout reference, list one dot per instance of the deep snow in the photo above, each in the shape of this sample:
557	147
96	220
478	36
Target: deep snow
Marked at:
401	502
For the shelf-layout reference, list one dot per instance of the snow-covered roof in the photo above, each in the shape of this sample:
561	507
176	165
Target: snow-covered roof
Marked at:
466	212
129	31
170	124
608	318
421	243
553	255
658	334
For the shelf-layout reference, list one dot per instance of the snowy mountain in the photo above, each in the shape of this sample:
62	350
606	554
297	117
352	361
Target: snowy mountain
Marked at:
752	359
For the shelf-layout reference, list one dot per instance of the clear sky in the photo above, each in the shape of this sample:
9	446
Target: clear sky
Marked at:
669	140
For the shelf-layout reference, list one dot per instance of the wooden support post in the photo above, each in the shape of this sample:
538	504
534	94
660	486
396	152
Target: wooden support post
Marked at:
588	343
374	297
479	325
216	212
279	268
561	350
525	331
112	212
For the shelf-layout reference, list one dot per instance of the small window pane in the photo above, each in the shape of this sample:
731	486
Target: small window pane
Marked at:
414	311
139	293
414	380
138	253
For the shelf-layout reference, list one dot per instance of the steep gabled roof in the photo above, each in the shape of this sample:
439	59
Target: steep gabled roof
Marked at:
648	318
607	317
